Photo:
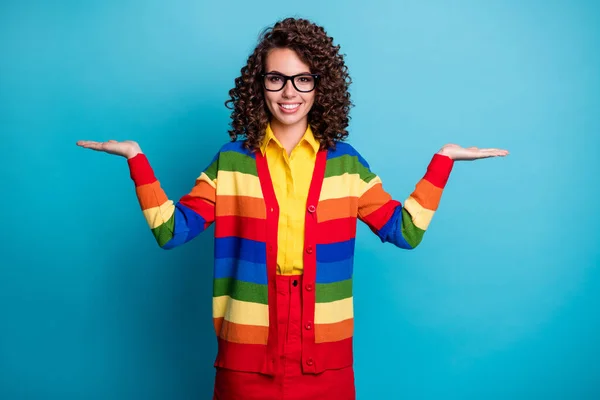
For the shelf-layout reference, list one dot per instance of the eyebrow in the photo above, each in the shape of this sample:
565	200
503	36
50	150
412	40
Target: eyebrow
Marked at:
280	73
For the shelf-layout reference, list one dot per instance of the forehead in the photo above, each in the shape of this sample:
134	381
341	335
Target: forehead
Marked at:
285	61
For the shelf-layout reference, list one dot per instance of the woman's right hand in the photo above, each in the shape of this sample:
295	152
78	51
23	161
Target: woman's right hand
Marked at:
127	148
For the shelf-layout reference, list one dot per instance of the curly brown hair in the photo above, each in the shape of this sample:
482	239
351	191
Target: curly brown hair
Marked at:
329	115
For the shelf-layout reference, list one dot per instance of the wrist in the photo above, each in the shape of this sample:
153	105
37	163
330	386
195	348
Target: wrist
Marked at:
131	155
443	153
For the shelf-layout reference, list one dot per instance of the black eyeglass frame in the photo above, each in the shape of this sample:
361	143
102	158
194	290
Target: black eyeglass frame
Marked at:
287	78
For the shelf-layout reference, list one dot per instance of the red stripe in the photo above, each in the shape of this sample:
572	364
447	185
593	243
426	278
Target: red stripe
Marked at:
200	206
336	230
242	357
140	170
378	218
333	355
438	170
243	227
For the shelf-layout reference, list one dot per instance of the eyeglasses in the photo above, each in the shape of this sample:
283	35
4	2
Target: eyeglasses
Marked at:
274	82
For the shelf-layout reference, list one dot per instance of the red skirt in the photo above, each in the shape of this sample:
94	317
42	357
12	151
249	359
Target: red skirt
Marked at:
291	383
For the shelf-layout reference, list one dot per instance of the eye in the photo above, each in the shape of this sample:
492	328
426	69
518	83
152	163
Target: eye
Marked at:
274	78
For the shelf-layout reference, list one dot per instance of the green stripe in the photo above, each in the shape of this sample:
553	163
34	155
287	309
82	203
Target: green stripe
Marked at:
211	170
240	290
348	164
411	233
328	292
237	162
164	232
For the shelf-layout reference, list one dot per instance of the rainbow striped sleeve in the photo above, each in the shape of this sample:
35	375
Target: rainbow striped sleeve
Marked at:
404	226
174	224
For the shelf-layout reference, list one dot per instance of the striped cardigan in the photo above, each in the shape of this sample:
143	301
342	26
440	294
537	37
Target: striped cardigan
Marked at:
236	193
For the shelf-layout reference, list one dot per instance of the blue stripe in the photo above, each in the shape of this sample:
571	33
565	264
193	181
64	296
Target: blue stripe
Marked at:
335	271
391	232
240	270
237	146
244	249
333	252
188	224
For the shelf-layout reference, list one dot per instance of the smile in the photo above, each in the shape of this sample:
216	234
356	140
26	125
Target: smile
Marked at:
289	108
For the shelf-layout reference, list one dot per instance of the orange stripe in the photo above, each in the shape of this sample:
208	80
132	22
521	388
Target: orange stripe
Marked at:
337	208
242	206
151	195
372	199
427	195
334	332
203	190
237	333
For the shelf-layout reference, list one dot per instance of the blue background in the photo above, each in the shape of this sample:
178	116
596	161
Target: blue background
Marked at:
500	301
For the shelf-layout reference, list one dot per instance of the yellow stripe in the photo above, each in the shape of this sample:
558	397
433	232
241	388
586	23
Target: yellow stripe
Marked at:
156	216
205	178
421	216
238	184
240	312
373	182
335	311
346	185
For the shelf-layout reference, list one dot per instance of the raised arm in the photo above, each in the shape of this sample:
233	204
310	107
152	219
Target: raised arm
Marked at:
405	224
172	224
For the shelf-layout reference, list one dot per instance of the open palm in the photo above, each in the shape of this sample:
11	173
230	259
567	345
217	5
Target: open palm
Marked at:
459	153
127	148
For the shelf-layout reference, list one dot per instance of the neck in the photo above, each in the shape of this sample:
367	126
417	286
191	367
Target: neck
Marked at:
289	135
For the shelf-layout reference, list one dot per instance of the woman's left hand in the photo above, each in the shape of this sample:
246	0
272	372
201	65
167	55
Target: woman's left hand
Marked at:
457	153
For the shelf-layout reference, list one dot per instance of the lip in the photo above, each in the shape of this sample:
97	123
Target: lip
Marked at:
286	111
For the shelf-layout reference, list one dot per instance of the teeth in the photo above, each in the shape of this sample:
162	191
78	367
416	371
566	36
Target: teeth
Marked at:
289	106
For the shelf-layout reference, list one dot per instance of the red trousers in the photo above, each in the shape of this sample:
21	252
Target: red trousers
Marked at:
291	383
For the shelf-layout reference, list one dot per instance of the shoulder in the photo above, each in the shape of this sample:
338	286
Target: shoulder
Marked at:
346	153
235	148
234	157
229	156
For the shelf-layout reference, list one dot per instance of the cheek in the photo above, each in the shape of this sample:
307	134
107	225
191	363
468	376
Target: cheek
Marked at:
310	101
269	99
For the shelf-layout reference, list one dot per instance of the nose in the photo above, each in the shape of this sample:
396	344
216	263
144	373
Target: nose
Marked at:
289	90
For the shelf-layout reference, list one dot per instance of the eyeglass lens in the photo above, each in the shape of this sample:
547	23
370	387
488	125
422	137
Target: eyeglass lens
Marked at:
302	83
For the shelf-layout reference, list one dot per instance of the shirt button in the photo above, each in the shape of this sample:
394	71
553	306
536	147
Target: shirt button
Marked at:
308	326
308	287
295	282
309	249
309	362
272	209
312	208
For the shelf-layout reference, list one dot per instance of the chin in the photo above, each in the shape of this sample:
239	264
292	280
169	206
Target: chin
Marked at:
286	120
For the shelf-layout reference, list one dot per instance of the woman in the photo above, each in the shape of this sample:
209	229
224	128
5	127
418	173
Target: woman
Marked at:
285	201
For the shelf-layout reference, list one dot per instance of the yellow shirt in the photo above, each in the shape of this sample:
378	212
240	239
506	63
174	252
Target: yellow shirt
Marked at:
291	176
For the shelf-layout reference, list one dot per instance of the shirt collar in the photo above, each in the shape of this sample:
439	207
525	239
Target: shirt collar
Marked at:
308	137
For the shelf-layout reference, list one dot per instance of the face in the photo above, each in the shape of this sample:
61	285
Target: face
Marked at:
288	106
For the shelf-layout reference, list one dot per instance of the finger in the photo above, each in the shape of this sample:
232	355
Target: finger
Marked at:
93	145
84	142
485	153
